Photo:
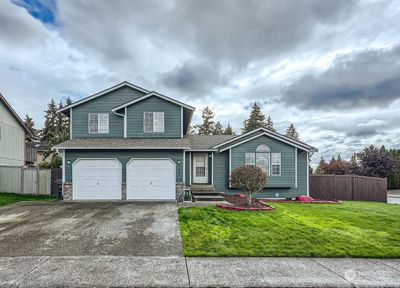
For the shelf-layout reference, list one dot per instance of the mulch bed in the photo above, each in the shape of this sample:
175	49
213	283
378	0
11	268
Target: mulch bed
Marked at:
238	202
315	201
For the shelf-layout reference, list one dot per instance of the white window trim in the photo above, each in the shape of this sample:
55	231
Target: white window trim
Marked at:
270	174
144	122
108	122
280	165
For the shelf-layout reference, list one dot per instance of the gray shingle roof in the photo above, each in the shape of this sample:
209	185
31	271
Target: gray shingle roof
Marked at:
195	142
207	141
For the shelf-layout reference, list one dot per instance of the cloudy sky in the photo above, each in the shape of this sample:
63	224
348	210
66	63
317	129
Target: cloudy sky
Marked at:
330	67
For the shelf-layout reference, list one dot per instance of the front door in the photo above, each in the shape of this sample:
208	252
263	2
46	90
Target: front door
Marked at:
200	168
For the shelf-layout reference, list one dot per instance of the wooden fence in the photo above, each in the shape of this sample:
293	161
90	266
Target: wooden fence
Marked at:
22	180
348	187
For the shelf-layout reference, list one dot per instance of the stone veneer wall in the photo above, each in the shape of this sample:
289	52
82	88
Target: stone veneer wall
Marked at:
179	192
67	191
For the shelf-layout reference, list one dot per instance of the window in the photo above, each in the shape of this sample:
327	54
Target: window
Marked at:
275	164
265	160
98	123
153	122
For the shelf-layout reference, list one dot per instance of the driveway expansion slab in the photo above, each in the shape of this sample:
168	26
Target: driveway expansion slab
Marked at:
90	228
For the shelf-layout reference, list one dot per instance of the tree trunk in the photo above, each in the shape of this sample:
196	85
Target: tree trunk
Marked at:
249	199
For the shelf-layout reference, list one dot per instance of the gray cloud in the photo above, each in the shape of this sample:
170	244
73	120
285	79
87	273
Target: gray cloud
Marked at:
364	132
368	78
193	78
229	31
241	32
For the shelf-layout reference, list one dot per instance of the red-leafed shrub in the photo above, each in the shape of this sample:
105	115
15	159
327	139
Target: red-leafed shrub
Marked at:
249	179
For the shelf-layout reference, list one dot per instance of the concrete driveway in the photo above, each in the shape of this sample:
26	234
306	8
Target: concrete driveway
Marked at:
83	229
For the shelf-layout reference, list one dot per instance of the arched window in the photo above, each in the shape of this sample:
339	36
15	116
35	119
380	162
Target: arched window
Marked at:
263	148
269	162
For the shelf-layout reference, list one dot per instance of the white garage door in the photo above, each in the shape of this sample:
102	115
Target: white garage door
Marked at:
97	179
150	179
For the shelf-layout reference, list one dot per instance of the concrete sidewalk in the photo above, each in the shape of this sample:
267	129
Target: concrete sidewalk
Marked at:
116	271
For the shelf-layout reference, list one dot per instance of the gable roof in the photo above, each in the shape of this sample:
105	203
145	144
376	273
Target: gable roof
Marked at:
247	137
153	93
12	111
98	94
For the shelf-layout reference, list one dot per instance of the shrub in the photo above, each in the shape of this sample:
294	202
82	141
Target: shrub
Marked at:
250	179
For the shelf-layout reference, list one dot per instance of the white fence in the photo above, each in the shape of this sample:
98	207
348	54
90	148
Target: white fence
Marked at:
25	180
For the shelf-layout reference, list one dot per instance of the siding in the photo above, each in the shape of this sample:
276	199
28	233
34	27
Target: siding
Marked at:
187	168
172	118
284	184
12	139
123	156
103	104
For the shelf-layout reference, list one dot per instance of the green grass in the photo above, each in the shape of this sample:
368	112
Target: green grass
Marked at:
9	198
352	229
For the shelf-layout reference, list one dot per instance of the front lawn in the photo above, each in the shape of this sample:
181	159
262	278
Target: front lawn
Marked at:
9	198
353	229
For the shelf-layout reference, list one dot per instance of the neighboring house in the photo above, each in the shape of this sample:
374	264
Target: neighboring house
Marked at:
131	143
12	136
38	150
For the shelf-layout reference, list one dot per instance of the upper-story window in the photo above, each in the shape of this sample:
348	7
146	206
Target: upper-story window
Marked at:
268	162
153	122
98	123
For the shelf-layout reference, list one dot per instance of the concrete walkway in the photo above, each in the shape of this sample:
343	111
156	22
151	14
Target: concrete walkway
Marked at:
117	271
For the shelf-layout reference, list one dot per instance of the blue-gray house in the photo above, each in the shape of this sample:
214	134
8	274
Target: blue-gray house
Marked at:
129	143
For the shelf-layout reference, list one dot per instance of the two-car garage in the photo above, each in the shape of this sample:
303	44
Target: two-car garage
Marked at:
101	179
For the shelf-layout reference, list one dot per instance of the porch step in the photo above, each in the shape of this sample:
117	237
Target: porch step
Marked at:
197	188
214	197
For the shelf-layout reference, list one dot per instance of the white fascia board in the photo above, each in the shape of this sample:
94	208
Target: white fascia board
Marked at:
274	135
121	148
150	95
264	134
125	83
204	150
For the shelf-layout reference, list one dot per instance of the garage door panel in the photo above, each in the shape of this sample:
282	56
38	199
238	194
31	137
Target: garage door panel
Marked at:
149	179
97	179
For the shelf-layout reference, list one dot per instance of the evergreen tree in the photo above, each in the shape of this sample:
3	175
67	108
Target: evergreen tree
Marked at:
292	132
321	169
354	166
208	125
270	124
68	101
56	127
51	122
219	129
229	130
256	120
30	124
